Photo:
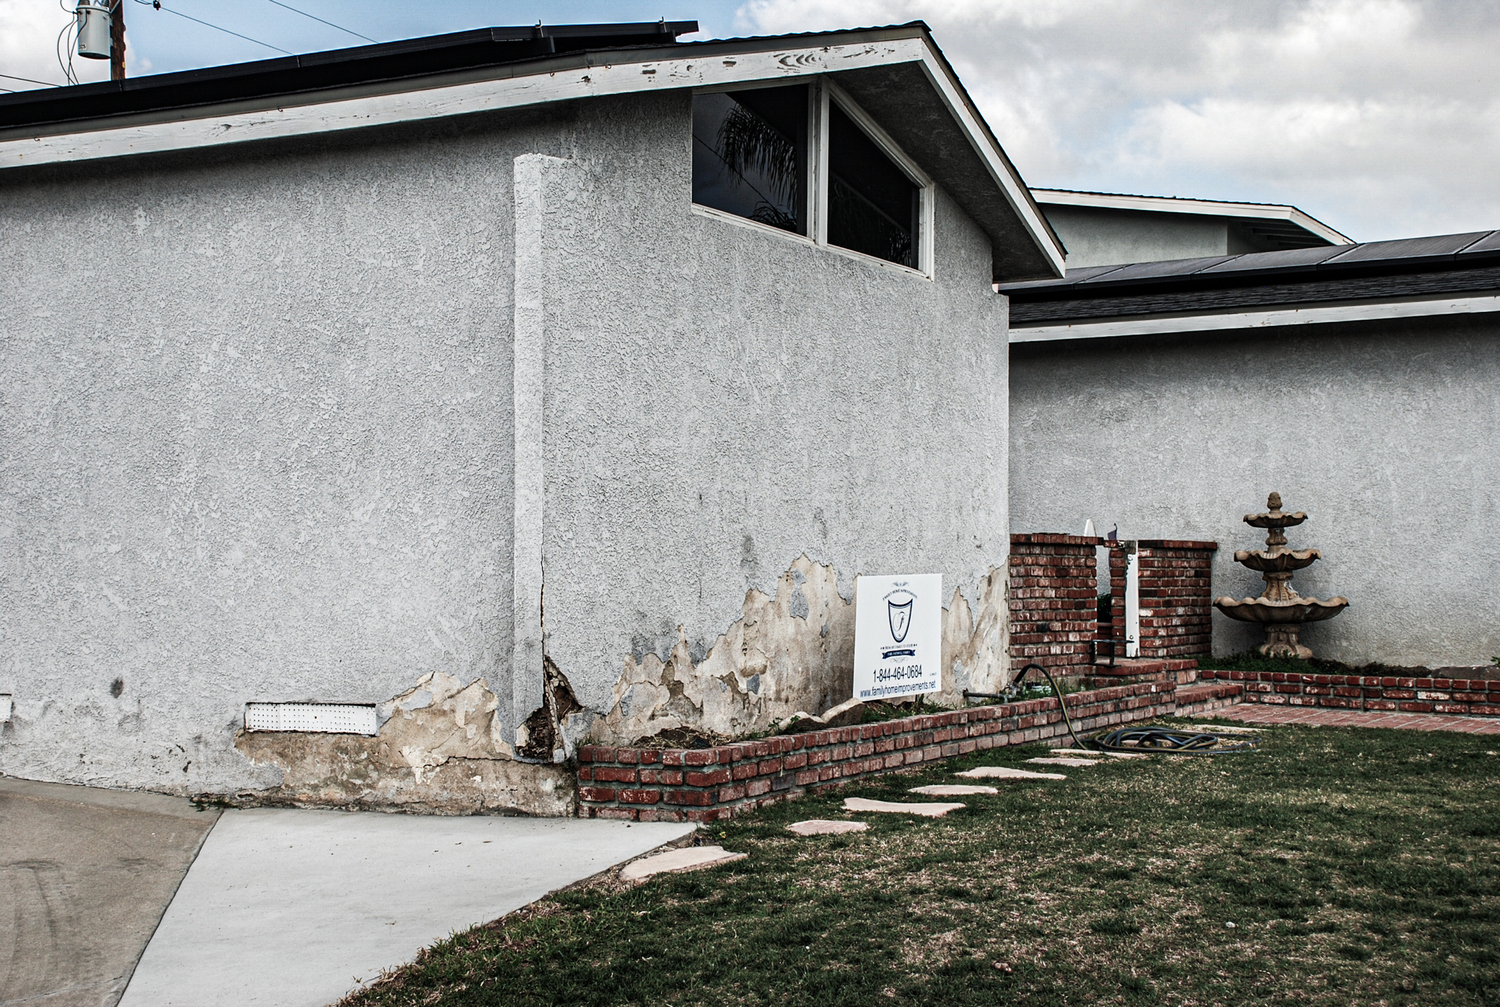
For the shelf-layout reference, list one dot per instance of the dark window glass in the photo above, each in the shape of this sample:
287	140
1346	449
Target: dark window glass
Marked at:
872	205
750	154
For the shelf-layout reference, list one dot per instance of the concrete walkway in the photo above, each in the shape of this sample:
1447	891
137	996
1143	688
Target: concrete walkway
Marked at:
295	908
1263	713
84	877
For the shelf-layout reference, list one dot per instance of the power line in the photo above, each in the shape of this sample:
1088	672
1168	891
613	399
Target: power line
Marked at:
46	83
330	24
157	5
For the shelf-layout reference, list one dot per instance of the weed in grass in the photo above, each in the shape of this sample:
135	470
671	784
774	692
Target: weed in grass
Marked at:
1356	866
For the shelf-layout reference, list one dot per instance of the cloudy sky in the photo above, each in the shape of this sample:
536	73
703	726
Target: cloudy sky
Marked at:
1380	117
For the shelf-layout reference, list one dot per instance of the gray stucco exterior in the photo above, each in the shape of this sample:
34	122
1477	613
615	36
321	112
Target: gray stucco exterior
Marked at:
397	416
1383	432
1107	237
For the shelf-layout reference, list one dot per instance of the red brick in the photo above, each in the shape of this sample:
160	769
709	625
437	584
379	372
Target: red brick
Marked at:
700	757
596	794
709	779
628	756
614	774
639	796
701	798
629	814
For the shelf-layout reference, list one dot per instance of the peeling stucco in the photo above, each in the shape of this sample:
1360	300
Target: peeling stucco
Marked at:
790	651
439	751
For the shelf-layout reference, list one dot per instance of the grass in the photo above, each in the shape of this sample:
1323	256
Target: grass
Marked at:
1356	866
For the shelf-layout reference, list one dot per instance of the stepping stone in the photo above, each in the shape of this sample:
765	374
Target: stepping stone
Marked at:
824	827
925	810
1089	751
689	858
1065	762
952	790
1007	773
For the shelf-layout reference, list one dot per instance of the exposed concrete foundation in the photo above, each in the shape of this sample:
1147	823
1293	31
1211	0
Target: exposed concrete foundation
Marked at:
439	752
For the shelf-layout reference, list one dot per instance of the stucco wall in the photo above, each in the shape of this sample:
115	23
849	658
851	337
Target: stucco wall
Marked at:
271	452
1106	237
720	401
254	442
1383	433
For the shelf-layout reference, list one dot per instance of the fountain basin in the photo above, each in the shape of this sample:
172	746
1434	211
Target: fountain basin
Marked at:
1297	610
1277	561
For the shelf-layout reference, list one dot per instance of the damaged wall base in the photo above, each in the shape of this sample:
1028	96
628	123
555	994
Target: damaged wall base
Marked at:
438	752
789	652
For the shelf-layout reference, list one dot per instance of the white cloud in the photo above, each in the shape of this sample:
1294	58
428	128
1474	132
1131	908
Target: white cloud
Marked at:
1380	116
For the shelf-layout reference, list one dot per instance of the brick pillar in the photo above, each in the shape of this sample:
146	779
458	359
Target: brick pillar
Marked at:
1053	601
1176	596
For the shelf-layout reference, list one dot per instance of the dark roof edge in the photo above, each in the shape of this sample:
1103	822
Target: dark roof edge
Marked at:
315	72
1218	272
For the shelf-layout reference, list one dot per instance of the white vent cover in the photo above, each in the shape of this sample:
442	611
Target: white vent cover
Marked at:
5	708
316	718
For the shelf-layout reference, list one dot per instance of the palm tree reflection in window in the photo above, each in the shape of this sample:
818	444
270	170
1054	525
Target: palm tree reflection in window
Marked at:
750	154
872	204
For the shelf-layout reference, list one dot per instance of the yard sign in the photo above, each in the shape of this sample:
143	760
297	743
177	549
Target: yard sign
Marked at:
898	635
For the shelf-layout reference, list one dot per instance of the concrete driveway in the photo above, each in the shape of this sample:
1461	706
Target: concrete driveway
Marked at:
269	906
85	875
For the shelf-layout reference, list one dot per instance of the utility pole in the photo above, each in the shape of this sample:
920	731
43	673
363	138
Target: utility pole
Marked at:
117	40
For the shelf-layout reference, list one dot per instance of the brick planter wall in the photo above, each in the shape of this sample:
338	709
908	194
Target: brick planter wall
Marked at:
1176	596
1447	696
707	784
1053	601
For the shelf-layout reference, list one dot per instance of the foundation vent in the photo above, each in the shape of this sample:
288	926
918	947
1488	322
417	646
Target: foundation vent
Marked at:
314	718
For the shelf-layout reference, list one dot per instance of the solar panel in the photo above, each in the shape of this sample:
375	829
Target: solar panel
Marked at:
1283	259
1484	246
1441	246
1172	267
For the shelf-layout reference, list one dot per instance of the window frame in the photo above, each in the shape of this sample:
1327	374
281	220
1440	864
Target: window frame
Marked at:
821	94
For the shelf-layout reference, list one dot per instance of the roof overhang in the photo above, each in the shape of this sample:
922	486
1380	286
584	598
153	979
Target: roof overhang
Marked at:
896	69
1302	314
1202	207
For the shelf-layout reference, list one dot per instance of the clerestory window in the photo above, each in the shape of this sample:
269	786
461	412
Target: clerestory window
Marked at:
806	160
750	154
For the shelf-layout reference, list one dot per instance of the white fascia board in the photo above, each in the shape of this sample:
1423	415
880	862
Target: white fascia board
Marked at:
1206	207
1311	315
621	75
1016	191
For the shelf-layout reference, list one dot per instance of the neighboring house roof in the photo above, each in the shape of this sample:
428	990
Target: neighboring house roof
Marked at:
1443	274
1285	226
897	74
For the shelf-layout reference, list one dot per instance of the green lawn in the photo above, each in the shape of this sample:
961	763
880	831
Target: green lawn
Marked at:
1356	866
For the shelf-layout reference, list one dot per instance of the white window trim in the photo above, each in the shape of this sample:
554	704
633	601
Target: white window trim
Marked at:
898	157
821	92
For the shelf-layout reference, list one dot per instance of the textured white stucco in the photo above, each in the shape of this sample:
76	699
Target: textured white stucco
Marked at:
721	400
254	444
1383	432
257	438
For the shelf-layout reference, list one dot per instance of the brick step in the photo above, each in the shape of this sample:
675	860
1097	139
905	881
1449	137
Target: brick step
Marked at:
1183	671
1195	699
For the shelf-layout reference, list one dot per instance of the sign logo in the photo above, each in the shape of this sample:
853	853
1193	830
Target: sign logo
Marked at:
898	615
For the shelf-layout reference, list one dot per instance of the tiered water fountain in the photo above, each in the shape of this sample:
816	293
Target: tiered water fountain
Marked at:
1280	609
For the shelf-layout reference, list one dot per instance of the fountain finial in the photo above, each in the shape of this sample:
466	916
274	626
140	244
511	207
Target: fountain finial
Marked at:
1280	609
